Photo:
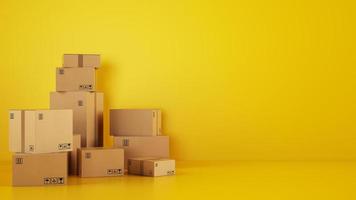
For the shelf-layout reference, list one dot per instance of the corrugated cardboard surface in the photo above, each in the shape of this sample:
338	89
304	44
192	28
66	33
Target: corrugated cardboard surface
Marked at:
100	162
75	79
73	156
159	167
154	146
135	122
42	131
81	60
16	126
87	114
39	169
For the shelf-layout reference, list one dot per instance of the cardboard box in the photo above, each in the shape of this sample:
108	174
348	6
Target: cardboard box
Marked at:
73	156
75	79
159	167
41	131
135	122
87	114
39	169
157	146
135	165
99	162
81	60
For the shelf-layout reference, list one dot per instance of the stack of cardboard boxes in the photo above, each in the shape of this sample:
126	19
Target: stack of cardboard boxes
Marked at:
68	138
139	132
40	140
76	90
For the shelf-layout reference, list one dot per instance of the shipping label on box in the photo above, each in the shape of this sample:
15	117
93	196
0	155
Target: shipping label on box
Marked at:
135	122
81	60
101	162
154	146
87	114
75	79
41	131
39	169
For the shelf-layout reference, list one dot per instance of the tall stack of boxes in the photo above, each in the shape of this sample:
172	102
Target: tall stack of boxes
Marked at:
76	90
68	139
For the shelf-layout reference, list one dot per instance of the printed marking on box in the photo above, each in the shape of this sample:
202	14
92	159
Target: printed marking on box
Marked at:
125	142
12	116
88	155
19	161
86	87
40	116
64	146
53	180
31	148
114	171
172	172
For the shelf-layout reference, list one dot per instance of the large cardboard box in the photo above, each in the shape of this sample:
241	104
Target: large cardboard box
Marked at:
75	79
73	156
39	169
159	167
81	60
135	122
87	114
40	131
100	162
157	146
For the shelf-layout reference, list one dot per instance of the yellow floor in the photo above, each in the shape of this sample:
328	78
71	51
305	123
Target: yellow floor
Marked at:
207	180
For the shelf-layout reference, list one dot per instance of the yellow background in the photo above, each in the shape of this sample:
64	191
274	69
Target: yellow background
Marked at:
236	80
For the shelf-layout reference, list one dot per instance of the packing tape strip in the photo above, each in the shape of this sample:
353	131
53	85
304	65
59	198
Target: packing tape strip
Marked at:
80	60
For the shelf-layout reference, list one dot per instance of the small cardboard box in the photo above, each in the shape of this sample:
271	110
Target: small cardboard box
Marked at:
100	162
81	60
40	131
39	169
73	156
154	146
87	114
159	167
135	122
135	165
75	79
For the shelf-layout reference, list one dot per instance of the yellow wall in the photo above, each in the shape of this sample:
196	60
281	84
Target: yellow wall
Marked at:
244	79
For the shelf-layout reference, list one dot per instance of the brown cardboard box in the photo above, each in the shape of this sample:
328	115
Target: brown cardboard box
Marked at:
99	162
135	165
39	169
159	167
73	156
157	146
81	60
135	122
87	114
41	131
75	79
